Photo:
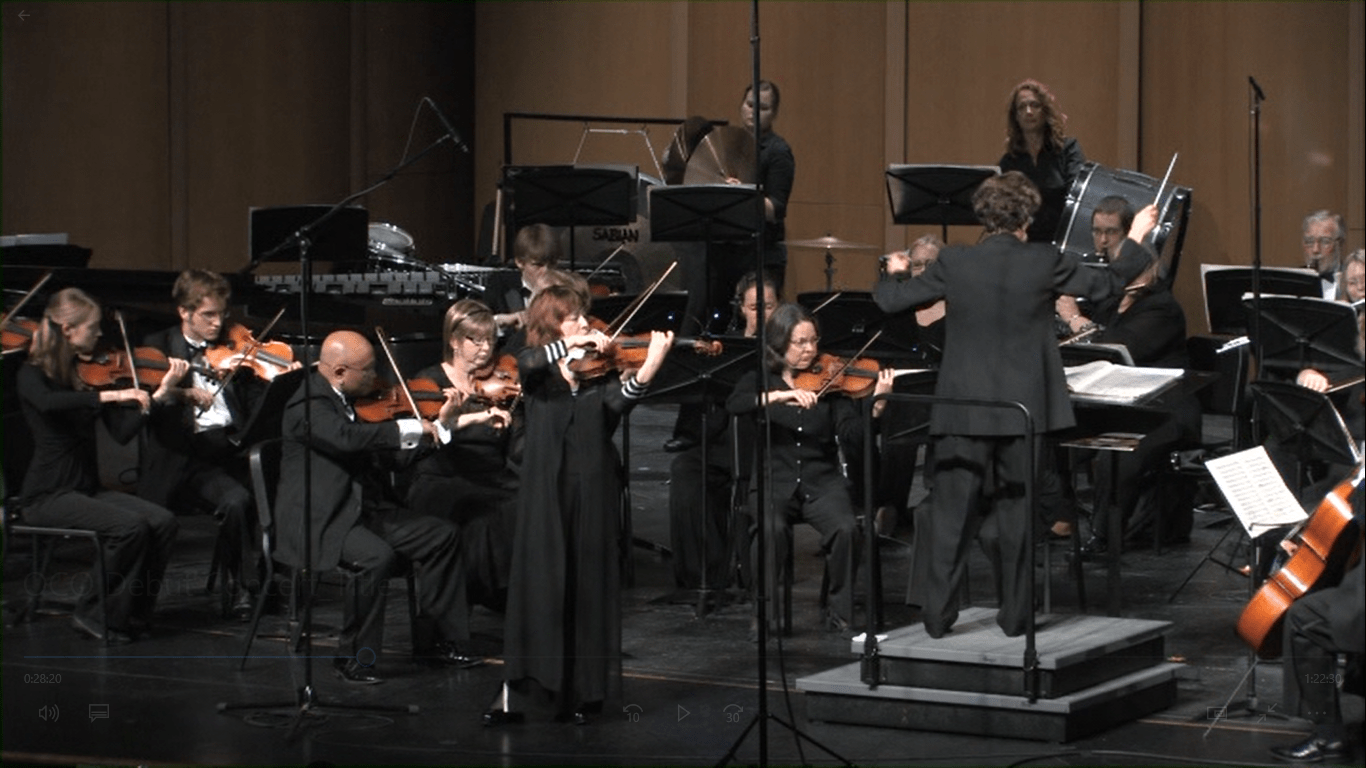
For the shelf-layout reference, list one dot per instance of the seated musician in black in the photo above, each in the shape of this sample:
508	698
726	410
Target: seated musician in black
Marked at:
356	520
62	485
535	251
1318	627
190	463
807	481
686	478
471	482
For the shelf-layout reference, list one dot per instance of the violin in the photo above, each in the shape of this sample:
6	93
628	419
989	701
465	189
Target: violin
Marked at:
855	377
1324	549
241	349
18	331
497	383
388	403
111	369
628	352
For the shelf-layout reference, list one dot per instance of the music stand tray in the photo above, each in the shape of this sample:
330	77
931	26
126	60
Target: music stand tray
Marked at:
573	195
935	194
1226	286
343	238
685	376
704	212
1305	422
1299	333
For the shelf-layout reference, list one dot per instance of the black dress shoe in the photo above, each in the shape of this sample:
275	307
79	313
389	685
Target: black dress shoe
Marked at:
90	628
1314	749
678	444
836	623
350	671
242	606
450	655
577	717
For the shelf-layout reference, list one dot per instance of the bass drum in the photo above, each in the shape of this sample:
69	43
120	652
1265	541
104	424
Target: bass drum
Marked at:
391	250
1096	182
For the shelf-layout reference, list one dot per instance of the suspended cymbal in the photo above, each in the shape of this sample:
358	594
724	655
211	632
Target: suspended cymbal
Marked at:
830	243
726	152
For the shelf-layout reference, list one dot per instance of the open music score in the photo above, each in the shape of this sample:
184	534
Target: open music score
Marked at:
1102	381
1255	491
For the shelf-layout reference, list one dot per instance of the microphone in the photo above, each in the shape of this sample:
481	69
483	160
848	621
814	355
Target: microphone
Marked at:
1256	88
450	129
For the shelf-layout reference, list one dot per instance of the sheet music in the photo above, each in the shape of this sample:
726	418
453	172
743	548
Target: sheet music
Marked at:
1103	381
1255	490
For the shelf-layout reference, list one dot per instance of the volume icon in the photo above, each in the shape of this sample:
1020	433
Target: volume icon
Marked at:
49	712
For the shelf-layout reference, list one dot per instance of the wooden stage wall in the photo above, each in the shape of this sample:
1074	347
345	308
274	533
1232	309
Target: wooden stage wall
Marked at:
146	130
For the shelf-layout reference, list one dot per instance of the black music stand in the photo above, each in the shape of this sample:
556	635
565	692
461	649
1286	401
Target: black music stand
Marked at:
664	311
1225	288
935	194
708	378
573	195
1299	333
342	238
1304	424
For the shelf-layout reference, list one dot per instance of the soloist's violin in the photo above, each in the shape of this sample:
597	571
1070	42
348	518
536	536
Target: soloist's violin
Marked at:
628	352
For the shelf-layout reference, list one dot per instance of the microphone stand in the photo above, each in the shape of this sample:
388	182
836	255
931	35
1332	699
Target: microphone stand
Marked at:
762	445
306	700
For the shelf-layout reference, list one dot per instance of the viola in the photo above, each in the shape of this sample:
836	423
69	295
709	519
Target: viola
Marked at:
855	377
1322	553
111	369
497	383
629	352
389	403
240	349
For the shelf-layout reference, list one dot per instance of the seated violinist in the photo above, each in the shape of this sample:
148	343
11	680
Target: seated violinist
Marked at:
62	485
471	482
807	428
357	521
190	463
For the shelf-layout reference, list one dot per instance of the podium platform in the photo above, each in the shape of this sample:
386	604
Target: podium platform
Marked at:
1095	672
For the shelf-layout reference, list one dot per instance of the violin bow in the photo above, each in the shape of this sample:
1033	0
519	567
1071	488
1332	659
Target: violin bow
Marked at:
832	297
603	263
847	363
242	359
127	347
36	287
627	314
398	374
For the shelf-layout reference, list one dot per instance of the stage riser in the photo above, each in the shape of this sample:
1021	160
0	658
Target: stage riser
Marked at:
1004	723
1009	681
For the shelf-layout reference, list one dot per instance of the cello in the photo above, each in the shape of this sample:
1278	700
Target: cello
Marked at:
1324	544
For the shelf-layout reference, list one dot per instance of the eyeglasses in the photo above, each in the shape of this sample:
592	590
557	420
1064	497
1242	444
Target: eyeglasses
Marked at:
211	316
1106	231
1322	242
810	342
479	341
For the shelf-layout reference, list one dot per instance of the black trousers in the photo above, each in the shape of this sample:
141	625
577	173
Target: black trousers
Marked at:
138	536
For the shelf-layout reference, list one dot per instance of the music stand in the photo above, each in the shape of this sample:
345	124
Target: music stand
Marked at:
573	195
663	312
707	378
1299	333
1303	423
704	213
848	319
935	194
343	238
1226	286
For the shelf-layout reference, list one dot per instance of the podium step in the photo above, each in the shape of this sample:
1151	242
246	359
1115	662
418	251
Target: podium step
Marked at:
1075	652
839	696
1094	673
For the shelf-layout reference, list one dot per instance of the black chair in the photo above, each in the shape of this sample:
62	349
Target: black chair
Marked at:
44	539
264	461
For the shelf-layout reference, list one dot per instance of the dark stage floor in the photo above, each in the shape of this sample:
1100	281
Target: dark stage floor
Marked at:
155	701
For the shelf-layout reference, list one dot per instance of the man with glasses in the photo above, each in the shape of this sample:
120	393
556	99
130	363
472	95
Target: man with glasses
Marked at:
1322	238
190	463
1110	223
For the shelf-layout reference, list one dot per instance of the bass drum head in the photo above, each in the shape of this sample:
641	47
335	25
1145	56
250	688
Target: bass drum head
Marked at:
1096	182
391	249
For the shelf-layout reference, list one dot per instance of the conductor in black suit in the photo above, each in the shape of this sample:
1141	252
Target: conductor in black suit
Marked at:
357	521
999	345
